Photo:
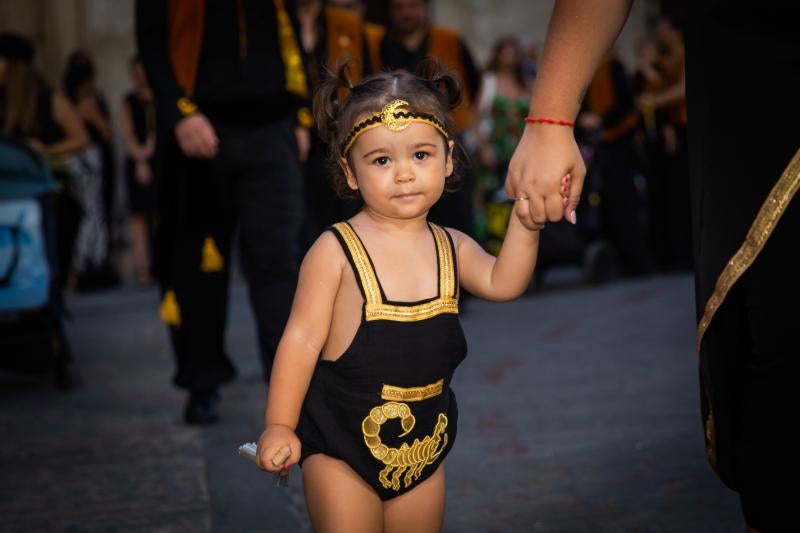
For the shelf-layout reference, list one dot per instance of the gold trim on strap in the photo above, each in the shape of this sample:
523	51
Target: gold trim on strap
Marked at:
412	394
768	216
368	279
446	270
375	308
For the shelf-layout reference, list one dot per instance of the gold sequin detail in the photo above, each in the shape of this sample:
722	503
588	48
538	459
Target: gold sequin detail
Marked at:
376	309
186	106
768	216
409	460
412	394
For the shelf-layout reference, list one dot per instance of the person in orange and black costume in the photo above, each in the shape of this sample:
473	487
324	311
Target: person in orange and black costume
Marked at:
229	82
409	39
330	36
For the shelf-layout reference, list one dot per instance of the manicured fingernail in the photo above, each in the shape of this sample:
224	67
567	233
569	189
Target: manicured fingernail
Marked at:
573	217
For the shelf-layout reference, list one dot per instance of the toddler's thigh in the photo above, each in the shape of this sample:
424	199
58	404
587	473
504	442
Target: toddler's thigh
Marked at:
338	500
420	510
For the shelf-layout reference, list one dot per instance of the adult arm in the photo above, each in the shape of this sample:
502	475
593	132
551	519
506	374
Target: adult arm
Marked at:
68	119
580	34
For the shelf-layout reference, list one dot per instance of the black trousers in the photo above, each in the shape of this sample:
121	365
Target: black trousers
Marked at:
254	184
749	369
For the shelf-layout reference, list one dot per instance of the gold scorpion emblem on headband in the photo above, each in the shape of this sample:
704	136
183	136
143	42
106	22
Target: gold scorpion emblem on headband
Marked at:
410	460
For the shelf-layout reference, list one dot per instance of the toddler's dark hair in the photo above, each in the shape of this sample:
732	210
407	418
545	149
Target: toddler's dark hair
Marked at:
433	90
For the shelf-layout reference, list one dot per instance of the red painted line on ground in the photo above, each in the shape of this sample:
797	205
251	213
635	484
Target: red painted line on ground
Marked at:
638	296
558	331
500	371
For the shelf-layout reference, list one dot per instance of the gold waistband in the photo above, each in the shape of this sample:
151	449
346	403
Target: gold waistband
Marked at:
412	394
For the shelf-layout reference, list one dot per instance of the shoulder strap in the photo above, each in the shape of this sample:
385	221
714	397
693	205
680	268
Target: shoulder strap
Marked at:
360	261
448	270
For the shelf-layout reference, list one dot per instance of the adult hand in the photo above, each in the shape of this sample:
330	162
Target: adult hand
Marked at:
144	175
196	136
303	136
546	153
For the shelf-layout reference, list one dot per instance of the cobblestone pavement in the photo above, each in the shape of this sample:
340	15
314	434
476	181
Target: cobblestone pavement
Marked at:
579	413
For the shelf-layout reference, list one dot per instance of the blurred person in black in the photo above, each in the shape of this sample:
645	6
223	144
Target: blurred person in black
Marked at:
93	174
606	125
329	35
409	39
137	122
229	81
668	101
649	78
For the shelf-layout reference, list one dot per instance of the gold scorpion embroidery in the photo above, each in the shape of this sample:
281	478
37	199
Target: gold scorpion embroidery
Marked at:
410	460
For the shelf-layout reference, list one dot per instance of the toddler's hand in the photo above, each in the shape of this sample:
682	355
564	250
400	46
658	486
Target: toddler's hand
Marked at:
270	443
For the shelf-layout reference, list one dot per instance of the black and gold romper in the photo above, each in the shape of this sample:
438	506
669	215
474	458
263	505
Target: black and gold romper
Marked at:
385	407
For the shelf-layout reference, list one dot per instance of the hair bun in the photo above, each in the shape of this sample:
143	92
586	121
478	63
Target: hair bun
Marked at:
443	79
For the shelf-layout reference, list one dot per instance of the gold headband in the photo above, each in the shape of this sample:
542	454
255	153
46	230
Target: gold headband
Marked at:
396	116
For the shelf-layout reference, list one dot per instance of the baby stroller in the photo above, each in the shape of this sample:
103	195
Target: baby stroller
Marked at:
32	336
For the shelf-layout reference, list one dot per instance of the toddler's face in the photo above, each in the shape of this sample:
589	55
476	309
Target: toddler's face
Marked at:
400	174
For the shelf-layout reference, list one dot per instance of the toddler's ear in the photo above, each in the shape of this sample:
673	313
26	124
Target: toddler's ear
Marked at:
448	166
348	173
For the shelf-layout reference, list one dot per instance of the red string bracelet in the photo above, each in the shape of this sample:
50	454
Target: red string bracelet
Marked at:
531	120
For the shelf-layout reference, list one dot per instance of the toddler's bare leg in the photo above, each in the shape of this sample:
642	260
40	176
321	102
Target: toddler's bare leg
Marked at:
420	510
338	499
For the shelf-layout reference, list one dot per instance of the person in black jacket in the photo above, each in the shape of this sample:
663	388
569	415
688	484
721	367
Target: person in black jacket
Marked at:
229	82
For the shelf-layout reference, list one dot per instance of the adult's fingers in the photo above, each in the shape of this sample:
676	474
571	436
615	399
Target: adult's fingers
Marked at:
575	189
523	212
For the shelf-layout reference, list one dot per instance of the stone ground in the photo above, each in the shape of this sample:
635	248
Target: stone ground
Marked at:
579	413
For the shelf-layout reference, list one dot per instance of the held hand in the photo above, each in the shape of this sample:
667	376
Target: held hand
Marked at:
544	156
269	444
196	136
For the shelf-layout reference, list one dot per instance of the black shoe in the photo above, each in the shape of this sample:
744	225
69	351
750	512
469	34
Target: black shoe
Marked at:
202	408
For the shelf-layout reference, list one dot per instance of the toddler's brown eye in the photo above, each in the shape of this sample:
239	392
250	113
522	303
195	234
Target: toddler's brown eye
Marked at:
421	156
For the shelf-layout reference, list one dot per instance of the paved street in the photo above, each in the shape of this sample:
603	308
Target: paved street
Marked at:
579	413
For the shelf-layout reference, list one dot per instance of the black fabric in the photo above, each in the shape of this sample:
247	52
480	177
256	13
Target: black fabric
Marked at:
237	90
245	186
343	392
743	70
141	198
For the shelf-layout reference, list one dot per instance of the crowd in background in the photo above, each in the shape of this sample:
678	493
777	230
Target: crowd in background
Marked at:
632	130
